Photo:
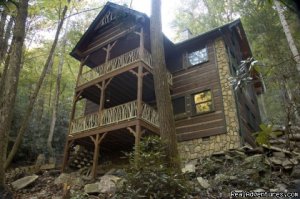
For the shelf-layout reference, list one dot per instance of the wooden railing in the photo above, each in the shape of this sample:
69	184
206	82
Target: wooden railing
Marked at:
85	123
114	115
117	63
119	113
150	115
112	65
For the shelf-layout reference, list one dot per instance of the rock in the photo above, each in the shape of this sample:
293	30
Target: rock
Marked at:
259	190
189	168
296	172
41	159
281	187
92	188
254	158
221	178
107	183
287	164
69	179
203	182
23	182
47	166
275	160
279	154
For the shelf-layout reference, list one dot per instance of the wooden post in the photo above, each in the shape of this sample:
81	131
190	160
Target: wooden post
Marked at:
141	49
80	69
96	142
140	77
102	88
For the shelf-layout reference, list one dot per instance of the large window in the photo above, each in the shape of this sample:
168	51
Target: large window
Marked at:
197	57
202	102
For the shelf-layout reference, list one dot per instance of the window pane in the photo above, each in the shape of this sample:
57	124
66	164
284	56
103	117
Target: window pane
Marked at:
198	56
202	97
203	107
179	105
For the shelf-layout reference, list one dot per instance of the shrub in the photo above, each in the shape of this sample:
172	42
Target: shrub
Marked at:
152	178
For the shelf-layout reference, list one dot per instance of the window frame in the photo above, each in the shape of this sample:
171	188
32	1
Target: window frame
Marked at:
188	64
193	104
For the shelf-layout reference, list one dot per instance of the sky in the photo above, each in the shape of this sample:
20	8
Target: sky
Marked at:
168	8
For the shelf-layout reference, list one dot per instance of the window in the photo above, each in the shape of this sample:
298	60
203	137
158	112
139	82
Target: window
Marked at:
197	57
202	102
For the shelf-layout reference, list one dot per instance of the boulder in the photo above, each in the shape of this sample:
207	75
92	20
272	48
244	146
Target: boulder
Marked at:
69	179
189	168
23	182
296	172
203	182
107	184
92	188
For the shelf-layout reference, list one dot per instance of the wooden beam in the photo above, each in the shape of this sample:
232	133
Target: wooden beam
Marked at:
97	142
132	131
115	37
137	144
139	91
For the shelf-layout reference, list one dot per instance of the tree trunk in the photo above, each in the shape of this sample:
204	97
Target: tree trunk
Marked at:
33	98
12	80
162	92
57	91
5	40
288	34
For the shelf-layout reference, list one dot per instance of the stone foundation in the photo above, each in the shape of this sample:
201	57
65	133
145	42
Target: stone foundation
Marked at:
196	148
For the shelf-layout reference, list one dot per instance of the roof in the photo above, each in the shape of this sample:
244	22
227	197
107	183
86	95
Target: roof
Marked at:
98	18
86	36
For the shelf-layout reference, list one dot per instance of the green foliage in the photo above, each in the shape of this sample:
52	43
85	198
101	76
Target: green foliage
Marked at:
263	136
152	178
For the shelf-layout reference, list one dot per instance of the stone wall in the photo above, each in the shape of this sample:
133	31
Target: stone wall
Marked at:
196	148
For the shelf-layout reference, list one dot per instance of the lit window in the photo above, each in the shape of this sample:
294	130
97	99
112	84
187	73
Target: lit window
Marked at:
198	57
203	102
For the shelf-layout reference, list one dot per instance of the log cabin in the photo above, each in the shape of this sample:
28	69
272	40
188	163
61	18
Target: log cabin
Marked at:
115	81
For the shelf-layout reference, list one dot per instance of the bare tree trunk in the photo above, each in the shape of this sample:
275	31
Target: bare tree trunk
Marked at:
33	98
162	92
12	80
5	40
288	34
57	91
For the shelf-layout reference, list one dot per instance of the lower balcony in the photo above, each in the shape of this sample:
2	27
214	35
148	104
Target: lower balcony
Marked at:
114	115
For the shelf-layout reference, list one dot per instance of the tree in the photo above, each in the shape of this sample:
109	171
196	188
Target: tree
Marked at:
33	97
288	34
162	92
7	99
57	91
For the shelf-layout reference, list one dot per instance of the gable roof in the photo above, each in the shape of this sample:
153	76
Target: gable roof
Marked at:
122	9
109	5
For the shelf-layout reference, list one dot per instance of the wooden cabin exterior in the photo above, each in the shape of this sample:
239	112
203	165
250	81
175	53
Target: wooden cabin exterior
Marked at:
116	81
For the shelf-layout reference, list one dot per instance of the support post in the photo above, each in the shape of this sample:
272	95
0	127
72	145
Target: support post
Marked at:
97	142
137	144
140	77
141	35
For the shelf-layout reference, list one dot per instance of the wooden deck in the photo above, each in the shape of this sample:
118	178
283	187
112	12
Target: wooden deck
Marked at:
118	63
114	115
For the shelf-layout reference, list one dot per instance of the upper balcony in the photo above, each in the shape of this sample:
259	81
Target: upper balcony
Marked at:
114	115
119	63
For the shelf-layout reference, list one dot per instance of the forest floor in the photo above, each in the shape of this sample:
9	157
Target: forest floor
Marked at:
242	171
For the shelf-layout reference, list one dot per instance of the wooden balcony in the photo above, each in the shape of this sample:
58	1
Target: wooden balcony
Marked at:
114	115
118	63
